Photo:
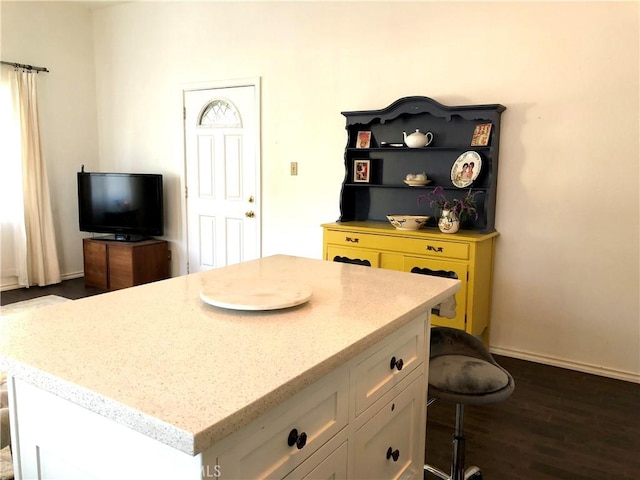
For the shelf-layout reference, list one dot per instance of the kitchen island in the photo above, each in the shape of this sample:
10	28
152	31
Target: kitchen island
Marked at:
152	382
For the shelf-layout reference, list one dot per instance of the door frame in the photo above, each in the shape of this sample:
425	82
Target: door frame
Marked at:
210	85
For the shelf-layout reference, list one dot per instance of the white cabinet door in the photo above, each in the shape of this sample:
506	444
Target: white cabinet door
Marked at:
388	445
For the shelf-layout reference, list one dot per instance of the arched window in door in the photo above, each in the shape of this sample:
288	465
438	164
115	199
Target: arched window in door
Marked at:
220	113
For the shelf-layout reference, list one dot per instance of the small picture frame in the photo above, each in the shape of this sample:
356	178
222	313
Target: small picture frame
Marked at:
481	135
363	140
361	171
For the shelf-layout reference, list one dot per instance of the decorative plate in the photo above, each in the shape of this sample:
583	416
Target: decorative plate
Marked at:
256	294
466	169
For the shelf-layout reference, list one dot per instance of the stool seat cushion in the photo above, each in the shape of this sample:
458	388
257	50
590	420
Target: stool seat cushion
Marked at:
464	375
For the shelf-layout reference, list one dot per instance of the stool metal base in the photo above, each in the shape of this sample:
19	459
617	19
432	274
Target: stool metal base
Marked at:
458	471
471	473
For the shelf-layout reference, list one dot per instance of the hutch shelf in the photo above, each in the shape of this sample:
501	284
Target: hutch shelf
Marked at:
385	191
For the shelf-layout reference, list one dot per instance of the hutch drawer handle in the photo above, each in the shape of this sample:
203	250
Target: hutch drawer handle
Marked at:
399	363
435	273
393	453
352	240
431	248
354	261
299	440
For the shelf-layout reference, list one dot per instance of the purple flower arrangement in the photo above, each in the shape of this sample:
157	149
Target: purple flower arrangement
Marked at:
461	208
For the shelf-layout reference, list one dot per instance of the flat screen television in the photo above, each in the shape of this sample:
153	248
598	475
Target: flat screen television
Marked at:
128	206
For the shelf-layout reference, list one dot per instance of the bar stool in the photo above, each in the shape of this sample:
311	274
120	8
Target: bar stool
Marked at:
463	372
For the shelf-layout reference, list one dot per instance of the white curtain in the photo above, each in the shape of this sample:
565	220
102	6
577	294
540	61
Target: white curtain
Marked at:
35	240
12	234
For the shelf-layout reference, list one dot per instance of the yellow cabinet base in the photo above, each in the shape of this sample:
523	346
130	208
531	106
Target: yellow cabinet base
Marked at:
466	256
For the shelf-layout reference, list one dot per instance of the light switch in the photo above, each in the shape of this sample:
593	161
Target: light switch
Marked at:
294	168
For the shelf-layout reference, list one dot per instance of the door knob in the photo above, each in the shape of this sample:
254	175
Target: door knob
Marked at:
251	199
249	214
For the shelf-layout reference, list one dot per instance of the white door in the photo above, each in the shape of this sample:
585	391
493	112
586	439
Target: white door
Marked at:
222	176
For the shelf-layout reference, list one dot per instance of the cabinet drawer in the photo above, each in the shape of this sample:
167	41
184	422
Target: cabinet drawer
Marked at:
358	256
352	239
387	367
436	248
320	465
389	444
262	450
422	246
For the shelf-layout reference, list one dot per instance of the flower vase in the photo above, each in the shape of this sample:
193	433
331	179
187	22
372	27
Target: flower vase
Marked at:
448	222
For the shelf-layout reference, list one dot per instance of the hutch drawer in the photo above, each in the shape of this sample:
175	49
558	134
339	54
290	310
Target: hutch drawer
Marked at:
424	246
362	256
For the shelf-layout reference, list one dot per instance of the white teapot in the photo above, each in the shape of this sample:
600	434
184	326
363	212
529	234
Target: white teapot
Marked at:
417	139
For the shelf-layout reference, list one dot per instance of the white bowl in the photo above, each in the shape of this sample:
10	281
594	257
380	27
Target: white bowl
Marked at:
417	183
407	222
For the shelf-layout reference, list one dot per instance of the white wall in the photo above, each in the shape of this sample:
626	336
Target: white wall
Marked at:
566	287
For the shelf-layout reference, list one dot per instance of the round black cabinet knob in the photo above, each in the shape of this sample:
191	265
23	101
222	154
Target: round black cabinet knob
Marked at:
293	437
297	439
391	453
302	440
396	363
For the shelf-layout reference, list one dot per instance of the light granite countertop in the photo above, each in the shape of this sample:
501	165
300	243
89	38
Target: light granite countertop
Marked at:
161	361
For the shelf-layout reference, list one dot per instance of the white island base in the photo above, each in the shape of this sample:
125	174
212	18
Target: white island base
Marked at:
359	412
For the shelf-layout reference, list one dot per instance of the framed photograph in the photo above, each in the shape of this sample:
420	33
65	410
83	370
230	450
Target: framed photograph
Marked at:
363	140
361	171
481	135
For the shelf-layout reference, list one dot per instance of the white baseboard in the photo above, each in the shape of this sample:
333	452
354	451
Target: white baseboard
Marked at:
578	366
11	283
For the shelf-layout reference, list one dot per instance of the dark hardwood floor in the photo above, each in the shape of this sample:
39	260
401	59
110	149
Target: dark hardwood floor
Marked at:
558	424
72	289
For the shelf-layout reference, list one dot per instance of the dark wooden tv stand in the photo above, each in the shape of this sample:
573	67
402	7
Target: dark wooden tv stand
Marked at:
112	265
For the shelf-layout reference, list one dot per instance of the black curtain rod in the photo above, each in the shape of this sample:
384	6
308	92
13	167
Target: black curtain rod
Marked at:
25	67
